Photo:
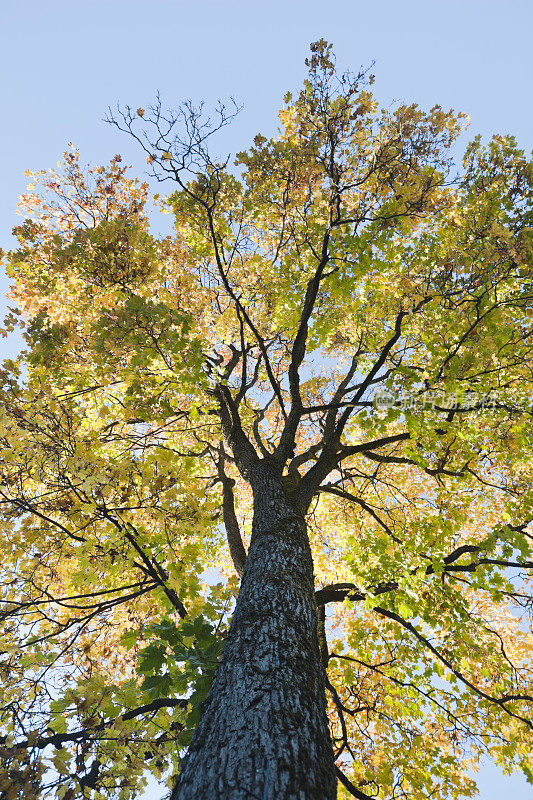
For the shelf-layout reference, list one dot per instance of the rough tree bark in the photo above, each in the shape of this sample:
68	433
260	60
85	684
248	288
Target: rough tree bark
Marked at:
266	711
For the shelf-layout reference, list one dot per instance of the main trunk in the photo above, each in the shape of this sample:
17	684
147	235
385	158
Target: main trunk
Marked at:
264	730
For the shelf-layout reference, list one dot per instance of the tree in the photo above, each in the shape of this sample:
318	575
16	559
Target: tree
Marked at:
319	383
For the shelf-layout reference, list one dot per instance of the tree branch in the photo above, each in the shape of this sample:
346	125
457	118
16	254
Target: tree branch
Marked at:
233	534
354	791
59	739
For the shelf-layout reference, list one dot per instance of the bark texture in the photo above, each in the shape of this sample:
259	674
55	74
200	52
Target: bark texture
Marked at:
266	711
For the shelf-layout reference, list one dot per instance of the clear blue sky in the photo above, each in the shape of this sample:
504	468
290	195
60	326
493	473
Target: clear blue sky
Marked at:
62	63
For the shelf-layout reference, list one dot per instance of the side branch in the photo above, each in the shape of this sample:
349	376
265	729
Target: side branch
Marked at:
354	791
241	309
285	447
231	524
242	449
328	460
339	592
59	739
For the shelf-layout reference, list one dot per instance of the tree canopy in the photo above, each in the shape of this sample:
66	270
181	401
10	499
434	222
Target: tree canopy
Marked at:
344	303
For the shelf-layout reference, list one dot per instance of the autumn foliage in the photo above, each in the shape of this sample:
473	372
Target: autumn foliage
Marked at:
343	261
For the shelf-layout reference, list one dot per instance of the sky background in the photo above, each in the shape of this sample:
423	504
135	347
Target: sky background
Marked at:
63	63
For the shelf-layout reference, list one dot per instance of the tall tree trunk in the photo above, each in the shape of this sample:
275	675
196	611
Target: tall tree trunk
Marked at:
264	731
